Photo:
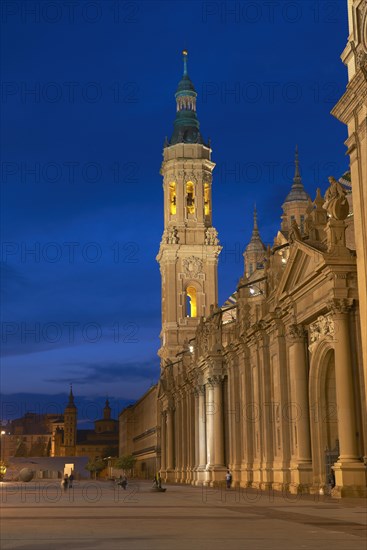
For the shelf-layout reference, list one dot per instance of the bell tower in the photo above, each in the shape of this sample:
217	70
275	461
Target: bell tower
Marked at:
70	423
189	249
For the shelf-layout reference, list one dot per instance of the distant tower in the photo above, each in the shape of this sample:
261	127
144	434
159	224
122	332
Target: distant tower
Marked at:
255	251
106	424
70	420
296	202
188	253
107	411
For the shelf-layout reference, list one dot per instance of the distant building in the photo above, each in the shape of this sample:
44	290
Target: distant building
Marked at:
139	435
51	435
100	442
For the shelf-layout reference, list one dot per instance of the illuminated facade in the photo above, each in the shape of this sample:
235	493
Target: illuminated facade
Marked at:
272	385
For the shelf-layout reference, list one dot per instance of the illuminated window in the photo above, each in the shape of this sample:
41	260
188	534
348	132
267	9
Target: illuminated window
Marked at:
190	198
172	198
191	301
206	200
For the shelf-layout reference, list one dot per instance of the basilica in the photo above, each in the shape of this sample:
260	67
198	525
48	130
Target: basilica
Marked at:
271	385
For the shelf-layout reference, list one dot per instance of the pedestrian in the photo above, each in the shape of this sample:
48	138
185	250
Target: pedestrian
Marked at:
124	483
159	479
331	479
71	479
228	479
65	482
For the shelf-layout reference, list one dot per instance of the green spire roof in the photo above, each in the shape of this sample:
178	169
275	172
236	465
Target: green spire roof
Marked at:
186	125
185	85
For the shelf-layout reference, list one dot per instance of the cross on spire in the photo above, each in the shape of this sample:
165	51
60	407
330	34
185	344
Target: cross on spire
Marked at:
185	54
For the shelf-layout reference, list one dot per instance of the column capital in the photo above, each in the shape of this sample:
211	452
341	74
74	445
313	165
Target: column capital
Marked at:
340	306
296	332
215	380
199	390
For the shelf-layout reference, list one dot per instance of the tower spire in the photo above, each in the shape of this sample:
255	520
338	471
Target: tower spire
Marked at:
186	124
255	250
297	175
71	403
297	192
255	230
185	54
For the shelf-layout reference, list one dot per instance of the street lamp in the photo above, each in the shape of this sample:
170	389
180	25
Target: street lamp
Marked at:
2	464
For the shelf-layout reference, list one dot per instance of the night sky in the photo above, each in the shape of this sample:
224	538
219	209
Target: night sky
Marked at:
87	99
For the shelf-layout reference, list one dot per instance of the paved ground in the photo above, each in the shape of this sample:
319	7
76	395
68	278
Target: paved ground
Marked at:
98	515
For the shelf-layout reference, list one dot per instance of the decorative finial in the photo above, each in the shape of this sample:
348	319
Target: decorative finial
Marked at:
185	53
255	218
255	230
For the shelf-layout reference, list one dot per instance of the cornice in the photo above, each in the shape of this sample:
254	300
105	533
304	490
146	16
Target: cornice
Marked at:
353	99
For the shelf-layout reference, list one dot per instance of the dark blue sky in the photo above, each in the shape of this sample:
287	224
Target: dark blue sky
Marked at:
87	99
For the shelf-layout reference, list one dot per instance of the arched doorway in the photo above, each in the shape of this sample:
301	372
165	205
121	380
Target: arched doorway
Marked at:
323	411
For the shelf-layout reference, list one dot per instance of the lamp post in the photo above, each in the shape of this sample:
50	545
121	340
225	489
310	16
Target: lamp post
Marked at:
2	464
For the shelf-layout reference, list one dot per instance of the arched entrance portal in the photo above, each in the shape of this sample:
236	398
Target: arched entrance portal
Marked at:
323	410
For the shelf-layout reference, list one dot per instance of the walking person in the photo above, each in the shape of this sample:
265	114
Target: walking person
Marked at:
124	483
71	479
228	479
65	482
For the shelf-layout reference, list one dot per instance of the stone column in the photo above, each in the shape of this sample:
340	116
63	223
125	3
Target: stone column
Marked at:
232	440
193	434
347	426
350	472
301	471
163	441
218	421
170	439
299	375
209	409
196	428
184	438
178	438
201	424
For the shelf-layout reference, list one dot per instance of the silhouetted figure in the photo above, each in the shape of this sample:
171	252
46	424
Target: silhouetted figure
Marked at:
71	479
122	482
228	479
65	482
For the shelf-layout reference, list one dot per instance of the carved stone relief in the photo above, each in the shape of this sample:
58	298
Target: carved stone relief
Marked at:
192	266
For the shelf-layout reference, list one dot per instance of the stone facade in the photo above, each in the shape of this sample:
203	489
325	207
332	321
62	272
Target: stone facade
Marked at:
352	111
139	435
271	384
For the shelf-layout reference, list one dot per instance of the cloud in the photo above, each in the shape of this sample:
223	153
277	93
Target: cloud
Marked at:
12	279
102	372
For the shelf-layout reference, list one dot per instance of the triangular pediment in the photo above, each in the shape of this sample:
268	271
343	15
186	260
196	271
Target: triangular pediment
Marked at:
303	262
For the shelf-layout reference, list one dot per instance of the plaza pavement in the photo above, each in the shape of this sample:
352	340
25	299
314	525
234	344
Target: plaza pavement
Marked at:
99	515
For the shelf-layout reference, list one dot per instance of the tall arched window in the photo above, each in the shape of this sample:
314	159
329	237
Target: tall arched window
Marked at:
190	198
191	305
172	198
206	199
